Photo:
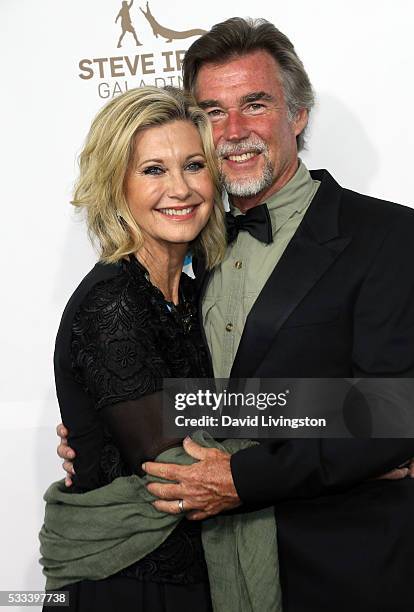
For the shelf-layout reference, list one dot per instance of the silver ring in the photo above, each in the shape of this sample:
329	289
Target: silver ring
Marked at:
181	505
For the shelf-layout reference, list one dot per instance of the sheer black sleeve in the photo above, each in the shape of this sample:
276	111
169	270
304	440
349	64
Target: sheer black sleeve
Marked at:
117	357
117	341
137	428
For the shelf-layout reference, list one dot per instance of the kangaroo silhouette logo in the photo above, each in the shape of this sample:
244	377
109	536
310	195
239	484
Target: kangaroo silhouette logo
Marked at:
146	62
169	35
126	23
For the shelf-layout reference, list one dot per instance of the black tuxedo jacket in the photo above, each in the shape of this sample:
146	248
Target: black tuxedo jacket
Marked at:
340	303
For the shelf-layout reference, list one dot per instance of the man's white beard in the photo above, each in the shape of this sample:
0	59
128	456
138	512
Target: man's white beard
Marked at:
246	187
249	187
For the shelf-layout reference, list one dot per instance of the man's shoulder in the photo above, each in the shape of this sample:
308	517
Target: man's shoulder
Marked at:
373	208
378	224
358	209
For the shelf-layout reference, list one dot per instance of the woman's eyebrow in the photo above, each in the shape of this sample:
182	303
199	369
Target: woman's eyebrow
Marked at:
145	161
198	154
161	161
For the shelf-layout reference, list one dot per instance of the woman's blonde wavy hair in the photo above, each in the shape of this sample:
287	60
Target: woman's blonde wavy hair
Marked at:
104	161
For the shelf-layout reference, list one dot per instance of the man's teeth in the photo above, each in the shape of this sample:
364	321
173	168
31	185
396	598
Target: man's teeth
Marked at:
175	211
241	158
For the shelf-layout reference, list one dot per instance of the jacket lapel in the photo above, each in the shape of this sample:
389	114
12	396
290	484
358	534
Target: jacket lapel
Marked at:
312	250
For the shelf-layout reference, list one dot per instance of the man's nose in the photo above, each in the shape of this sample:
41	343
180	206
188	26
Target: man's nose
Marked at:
179	187
235	126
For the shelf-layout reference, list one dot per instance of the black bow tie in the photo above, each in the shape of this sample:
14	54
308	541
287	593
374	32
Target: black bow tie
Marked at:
256	221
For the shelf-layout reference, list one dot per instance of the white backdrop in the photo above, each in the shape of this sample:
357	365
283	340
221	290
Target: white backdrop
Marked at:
359	56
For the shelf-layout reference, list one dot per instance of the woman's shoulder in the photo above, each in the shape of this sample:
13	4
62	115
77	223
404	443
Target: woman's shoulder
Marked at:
102	274
102	287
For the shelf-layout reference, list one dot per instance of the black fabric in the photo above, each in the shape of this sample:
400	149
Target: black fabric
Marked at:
122	594
340	303
117	340
256	221
136	428
349	551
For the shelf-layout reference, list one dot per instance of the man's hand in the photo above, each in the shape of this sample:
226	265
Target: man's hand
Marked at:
407	469
206	487
65	452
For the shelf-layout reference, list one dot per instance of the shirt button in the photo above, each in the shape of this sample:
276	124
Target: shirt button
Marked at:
229	327
238	264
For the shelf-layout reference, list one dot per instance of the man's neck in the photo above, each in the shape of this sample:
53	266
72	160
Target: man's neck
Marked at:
245	204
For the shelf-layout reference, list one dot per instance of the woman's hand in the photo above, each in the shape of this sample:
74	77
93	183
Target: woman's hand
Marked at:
206	487
65	452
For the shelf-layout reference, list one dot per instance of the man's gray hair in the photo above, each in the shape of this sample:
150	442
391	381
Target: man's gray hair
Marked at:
237	37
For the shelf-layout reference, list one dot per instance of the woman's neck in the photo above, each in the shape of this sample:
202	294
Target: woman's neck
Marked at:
164	265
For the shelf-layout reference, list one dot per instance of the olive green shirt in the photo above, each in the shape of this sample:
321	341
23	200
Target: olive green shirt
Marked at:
235	285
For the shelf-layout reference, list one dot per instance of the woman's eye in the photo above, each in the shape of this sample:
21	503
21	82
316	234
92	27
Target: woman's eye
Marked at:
195	166
153	170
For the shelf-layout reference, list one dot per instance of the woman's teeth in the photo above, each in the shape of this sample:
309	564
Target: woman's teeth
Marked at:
175	211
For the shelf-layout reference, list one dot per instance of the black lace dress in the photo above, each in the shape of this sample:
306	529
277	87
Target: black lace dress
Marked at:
117	340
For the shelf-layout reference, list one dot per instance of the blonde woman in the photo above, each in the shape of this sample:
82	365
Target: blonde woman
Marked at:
149	186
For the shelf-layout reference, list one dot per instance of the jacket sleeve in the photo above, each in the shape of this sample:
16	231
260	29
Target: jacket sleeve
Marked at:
383	346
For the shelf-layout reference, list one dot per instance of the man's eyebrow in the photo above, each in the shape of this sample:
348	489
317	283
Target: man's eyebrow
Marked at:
254	96
257	95
208	103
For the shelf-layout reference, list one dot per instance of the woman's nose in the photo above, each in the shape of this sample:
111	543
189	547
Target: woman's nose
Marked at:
179	187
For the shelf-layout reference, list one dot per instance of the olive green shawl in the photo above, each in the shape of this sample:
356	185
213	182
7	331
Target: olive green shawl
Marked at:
95	534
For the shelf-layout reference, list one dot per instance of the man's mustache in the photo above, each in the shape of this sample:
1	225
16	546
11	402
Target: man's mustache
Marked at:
251	145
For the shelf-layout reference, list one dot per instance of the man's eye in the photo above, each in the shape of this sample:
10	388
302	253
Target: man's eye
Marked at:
215	114
255	107
153	170
195	166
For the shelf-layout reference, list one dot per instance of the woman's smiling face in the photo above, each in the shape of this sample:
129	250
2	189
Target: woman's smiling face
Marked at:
168	186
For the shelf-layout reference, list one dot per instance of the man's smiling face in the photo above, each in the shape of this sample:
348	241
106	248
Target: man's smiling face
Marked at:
254	137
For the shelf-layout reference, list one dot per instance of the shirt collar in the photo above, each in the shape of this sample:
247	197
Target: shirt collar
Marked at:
293	197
